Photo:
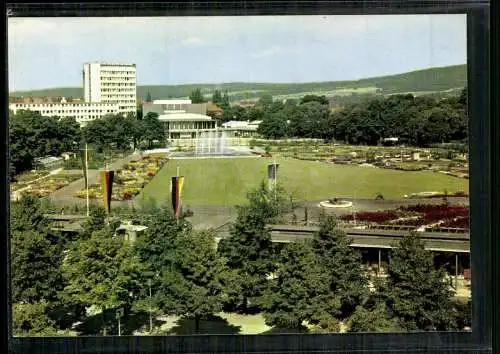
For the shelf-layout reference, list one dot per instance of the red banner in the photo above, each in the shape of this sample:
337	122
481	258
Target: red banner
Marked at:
107	188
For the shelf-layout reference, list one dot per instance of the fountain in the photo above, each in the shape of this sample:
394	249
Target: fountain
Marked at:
213	143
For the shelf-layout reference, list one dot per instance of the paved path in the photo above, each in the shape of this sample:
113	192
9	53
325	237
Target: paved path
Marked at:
66	195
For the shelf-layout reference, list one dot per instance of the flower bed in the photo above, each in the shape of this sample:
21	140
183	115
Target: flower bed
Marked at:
416	216
129	180
459	223
25	179
47	186
372	217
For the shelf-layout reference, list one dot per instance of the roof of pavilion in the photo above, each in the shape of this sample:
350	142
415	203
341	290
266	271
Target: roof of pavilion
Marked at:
184	117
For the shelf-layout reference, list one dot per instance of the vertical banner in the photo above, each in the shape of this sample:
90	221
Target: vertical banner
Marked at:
107	188
177	183
85	161
272	171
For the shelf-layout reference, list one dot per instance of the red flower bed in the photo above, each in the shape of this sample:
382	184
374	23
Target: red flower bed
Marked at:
445	214
127	196
376	217
461	223
410	222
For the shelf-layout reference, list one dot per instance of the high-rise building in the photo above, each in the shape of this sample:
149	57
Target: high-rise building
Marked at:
112	84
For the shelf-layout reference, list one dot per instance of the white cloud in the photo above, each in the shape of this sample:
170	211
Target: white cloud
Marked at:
270	52
194	41
20	27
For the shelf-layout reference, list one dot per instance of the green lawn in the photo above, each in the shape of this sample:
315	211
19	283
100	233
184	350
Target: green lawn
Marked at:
225	181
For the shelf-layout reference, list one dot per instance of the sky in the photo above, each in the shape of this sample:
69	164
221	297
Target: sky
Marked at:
50	52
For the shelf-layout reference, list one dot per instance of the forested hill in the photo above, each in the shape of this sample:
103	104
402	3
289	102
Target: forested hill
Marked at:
428	81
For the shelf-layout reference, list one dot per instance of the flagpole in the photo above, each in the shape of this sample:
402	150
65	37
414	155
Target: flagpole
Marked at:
87	173
178	206
275	177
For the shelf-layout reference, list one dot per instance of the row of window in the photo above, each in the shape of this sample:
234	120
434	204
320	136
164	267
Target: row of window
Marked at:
110	72
118	95
78	111
64	105
118	84
191	125
117	78
114	101
80	117
121	78
115	90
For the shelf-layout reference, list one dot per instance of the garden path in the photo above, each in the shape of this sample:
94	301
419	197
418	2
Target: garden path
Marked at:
66	194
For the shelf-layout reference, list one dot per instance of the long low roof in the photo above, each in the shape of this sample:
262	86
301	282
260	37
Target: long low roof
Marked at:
179	117
171	102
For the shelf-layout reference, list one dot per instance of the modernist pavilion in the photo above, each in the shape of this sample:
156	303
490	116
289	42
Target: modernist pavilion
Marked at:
184	121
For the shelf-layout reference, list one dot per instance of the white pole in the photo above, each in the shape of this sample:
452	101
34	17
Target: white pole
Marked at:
119	327
150	310
87	173
275	178
179	198
379	262
354	209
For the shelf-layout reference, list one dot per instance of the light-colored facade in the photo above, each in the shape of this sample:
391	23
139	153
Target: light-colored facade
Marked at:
173	106
186	125
244	129
111	84
83	112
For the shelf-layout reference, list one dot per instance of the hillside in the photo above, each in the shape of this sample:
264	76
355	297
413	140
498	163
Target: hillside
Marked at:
427	81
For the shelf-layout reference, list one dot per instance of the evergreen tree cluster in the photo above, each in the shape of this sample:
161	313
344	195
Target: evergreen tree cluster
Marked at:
318	285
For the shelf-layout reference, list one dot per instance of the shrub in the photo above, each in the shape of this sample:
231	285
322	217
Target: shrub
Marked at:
379	197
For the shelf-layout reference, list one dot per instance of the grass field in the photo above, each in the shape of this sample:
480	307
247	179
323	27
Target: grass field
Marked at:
225	181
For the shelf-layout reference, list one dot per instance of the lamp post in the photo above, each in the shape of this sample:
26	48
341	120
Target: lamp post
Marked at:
150	276
150	310
119	315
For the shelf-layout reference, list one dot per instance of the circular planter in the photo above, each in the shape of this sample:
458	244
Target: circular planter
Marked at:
340	204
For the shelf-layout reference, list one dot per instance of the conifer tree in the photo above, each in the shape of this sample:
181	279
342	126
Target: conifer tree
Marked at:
417	292
347	279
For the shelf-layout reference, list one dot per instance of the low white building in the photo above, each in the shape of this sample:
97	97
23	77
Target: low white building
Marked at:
186	125
48	162
173	106
242	128
83	112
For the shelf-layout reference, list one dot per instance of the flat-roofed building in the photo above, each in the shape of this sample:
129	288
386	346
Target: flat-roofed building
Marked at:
111	83
173	106
83	112
242	129
182	125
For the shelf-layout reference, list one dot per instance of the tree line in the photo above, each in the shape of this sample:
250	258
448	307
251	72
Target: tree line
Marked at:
32	135
175	270
418	121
